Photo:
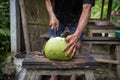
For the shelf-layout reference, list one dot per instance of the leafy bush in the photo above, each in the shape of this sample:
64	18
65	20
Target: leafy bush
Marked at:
4	27
96	10
116	5
115	19
4	33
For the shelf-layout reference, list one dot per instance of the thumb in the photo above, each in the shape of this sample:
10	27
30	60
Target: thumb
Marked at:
50	23
67	38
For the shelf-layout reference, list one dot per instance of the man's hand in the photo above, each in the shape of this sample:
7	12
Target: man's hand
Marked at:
72	46
54	23
73	40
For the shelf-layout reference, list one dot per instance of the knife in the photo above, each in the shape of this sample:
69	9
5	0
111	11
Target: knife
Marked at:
55	32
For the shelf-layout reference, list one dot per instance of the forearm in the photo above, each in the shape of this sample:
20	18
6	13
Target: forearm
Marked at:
49	8
83	19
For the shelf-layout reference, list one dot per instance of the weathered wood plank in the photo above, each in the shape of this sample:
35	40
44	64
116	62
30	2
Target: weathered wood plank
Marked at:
37	21
46	35
30	75
57	72
102	42
100	56
78	62
109	27
14	26
92	40
100	39
117	55
36	13
36	41
89	75
25	26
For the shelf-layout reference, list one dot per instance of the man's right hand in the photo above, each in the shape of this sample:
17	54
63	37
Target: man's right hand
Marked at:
54	23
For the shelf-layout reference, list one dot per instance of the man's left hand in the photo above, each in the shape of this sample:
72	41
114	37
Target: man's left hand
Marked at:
72	46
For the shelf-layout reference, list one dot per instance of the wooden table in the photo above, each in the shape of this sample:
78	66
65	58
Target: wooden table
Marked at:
38	64
112	41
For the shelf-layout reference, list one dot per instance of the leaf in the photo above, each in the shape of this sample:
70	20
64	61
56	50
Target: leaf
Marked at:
5	32
117	8
2	32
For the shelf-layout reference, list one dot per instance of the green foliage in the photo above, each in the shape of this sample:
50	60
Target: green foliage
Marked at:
116	5
96	10
4	33
116	19
4	27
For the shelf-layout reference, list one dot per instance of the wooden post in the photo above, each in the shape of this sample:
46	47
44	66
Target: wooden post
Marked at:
101	17
109	9
89	75
118	58
14	26
25	26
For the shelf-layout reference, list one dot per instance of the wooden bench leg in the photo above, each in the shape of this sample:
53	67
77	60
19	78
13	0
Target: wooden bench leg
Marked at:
117	53
38	77
32	76
90	48
89	75
112	49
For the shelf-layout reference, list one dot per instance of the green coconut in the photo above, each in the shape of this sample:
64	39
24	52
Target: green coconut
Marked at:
54	47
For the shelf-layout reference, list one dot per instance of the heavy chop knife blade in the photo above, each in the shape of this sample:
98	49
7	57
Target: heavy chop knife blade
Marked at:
55	32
